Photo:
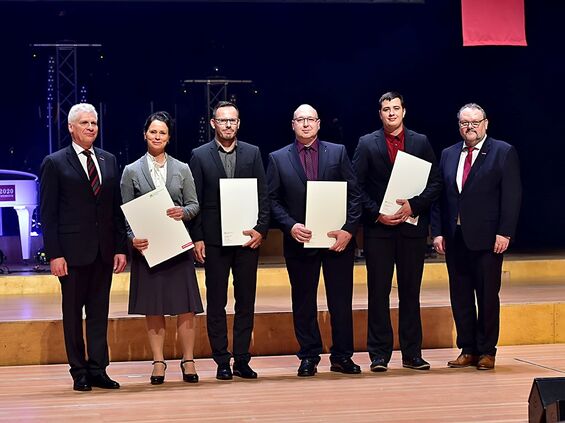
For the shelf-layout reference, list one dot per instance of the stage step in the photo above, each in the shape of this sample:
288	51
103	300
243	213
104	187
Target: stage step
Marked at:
31	330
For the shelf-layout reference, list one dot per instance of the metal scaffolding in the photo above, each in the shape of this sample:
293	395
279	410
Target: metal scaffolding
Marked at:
66	90
216	90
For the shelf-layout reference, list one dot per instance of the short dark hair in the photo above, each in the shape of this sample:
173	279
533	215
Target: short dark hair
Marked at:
224	104
389	96
162	116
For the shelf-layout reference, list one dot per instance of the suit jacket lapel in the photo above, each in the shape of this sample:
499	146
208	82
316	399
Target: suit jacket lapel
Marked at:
171	170
409	144
241	151
216	159
145	171
322	160
380	142
295	162
75	163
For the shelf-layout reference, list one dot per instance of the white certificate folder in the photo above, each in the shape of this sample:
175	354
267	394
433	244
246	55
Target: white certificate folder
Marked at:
408	178
326	210
239	208
147	217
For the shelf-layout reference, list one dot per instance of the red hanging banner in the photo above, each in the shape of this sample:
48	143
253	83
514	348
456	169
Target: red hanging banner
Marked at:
493	22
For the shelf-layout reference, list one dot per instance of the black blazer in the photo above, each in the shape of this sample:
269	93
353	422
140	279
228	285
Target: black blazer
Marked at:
207	169
75	223
489	203
373	167
287	188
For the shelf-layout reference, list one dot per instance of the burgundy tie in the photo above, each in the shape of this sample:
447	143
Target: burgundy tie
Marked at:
92	172
467	165
308	165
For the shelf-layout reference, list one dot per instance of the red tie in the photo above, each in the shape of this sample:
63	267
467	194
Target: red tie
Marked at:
308	165
467	165
92	172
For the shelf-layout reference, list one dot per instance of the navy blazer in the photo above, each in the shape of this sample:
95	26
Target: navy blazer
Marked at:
207	169
489	203
77	225
373	167
287	188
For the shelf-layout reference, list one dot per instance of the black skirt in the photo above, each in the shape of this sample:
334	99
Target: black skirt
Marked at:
170	288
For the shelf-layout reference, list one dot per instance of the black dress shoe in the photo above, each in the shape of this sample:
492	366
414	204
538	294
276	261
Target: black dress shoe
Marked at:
344	365
242	369
379	364
102	380
188	377
81	383
308	367
224	372
416	363
158	380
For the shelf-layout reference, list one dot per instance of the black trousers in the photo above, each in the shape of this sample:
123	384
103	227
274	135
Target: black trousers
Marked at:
382	254
474	273
304	275
243	264
89	287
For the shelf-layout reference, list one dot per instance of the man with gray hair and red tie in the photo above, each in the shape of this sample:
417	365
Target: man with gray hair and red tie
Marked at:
84	236
473	223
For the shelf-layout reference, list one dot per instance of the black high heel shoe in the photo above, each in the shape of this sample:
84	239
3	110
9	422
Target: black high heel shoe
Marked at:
158	380
188	377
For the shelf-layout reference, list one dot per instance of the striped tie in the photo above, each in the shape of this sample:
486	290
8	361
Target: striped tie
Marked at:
92	172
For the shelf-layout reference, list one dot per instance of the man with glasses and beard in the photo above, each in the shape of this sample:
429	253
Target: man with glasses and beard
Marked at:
473	224
228	157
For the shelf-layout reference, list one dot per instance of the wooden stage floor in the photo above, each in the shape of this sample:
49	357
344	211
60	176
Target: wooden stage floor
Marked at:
44	394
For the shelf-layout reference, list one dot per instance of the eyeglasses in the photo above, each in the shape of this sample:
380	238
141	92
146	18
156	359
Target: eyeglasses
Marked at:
224	122
472	124
308	120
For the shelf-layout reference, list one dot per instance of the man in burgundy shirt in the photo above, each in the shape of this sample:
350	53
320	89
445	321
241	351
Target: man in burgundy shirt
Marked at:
391	240
290	168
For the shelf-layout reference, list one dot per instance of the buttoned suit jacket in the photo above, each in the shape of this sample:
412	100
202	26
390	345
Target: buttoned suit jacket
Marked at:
489	203
76	224
136	181
287	189
373	168
207	169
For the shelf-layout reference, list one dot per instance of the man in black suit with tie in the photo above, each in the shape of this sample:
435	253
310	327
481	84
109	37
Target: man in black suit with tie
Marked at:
228	157
85	240
473	224
391	240
309	159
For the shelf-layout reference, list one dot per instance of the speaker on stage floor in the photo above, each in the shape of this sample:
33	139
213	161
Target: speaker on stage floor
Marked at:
545	392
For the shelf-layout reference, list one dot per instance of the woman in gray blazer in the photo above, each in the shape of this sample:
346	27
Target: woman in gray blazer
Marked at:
169	288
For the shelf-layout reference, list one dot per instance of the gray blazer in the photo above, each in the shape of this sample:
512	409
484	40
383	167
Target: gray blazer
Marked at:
136	181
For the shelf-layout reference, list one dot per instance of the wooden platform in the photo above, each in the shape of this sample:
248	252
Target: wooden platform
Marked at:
533	312
44	393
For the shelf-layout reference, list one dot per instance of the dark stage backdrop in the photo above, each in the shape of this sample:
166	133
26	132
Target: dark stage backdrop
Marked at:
337	57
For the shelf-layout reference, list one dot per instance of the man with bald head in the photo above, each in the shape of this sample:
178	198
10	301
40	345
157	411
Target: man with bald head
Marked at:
473	224
308	158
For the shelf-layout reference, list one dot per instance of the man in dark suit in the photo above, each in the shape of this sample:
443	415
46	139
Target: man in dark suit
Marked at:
391	240
289	168
472	225
227	157
85	240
